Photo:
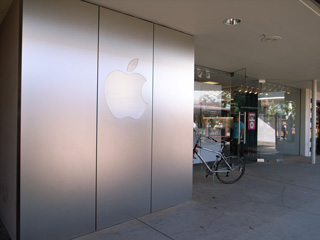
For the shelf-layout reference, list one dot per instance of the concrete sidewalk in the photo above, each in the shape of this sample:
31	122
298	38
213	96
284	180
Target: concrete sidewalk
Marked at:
278	201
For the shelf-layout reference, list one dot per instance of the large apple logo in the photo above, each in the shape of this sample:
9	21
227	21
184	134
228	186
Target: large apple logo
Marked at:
123	92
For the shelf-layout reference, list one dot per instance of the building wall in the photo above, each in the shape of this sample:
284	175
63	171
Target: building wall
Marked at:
124	123
172	118
58	119
90	159
9	120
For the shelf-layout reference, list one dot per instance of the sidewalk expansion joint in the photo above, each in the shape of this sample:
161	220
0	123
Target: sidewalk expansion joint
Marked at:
154	229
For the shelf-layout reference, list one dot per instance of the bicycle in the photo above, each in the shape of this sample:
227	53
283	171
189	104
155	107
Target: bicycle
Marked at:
228	169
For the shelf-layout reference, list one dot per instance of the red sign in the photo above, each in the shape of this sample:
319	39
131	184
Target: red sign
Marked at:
251	121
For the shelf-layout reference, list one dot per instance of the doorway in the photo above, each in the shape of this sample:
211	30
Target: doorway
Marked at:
268	113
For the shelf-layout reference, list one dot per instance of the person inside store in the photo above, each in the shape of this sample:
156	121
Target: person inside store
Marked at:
283	130
236	136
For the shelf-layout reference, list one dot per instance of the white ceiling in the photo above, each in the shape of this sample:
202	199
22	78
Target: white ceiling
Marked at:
294	60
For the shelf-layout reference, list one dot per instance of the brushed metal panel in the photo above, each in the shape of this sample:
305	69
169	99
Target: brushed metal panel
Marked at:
172	118
124	118
58	119
9	108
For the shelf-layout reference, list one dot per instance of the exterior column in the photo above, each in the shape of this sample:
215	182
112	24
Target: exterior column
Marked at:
314	116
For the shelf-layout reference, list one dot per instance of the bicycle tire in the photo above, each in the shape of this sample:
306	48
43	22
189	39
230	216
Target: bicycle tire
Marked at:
227	175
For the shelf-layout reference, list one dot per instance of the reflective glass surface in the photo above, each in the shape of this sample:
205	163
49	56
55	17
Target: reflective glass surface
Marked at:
268	113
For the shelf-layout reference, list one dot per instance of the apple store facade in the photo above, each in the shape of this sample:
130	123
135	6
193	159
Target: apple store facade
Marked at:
98	115
92	97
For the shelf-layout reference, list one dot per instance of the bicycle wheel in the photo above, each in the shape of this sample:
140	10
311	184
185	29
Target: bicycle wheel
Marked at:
230	169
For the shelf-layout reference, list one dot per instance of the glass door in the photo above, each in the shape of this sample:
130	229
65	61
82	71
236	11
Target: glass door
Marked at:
268	112
245	107
260	107
272	124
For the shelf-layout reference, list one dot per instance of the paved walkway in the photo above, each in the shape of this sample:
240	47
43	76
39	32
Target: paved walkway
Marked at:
278	201
273	201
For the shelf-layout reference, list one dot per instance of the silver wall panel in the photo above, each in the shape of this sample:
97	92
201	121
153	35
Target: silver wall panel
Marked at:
58	119
9	120
124	118
172	118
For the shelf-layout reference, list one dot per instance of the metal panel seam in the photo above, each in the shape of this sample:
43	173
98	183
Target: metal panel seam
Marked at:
18	197
97	102
152	117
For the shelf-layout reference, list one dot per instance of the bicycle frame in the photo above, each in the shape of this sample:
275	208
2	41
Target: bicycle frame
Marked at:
228	169
220	157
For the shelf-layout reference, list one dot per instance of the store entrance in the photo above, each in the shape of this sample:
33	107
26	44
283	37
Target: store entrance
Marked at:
267	114
260	109
245	106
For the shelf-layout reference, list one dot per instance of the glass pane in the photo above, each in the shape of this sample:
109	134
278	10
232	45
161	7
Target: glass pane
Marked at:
291	121
269	113
271	123
245	104
212	105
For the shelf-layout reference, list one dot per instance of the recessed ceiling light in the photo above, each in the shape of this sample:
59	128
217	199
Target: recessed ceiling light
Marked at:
232	21
213	83
270	38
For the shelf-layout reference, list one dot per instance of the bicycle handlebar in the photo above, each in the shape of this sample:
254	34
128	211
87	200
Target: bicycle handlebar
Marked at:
211	138
223	139
227	139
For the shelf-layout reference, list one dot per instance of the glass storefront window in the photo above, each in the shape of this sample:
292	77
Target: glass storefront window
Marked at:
279	107
273	110
212	110
212	106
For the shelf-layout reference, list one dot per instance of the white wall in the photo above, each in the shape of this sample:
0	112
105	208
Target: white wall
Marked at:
9	120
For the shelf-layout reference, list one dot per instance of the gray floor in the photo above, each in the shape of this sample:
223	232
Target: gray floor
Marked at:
278	201
272	201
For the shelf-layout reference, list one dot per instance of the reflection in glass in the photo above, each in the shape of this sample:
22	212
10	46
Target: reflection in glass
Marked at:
278	135
212	106
220	96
